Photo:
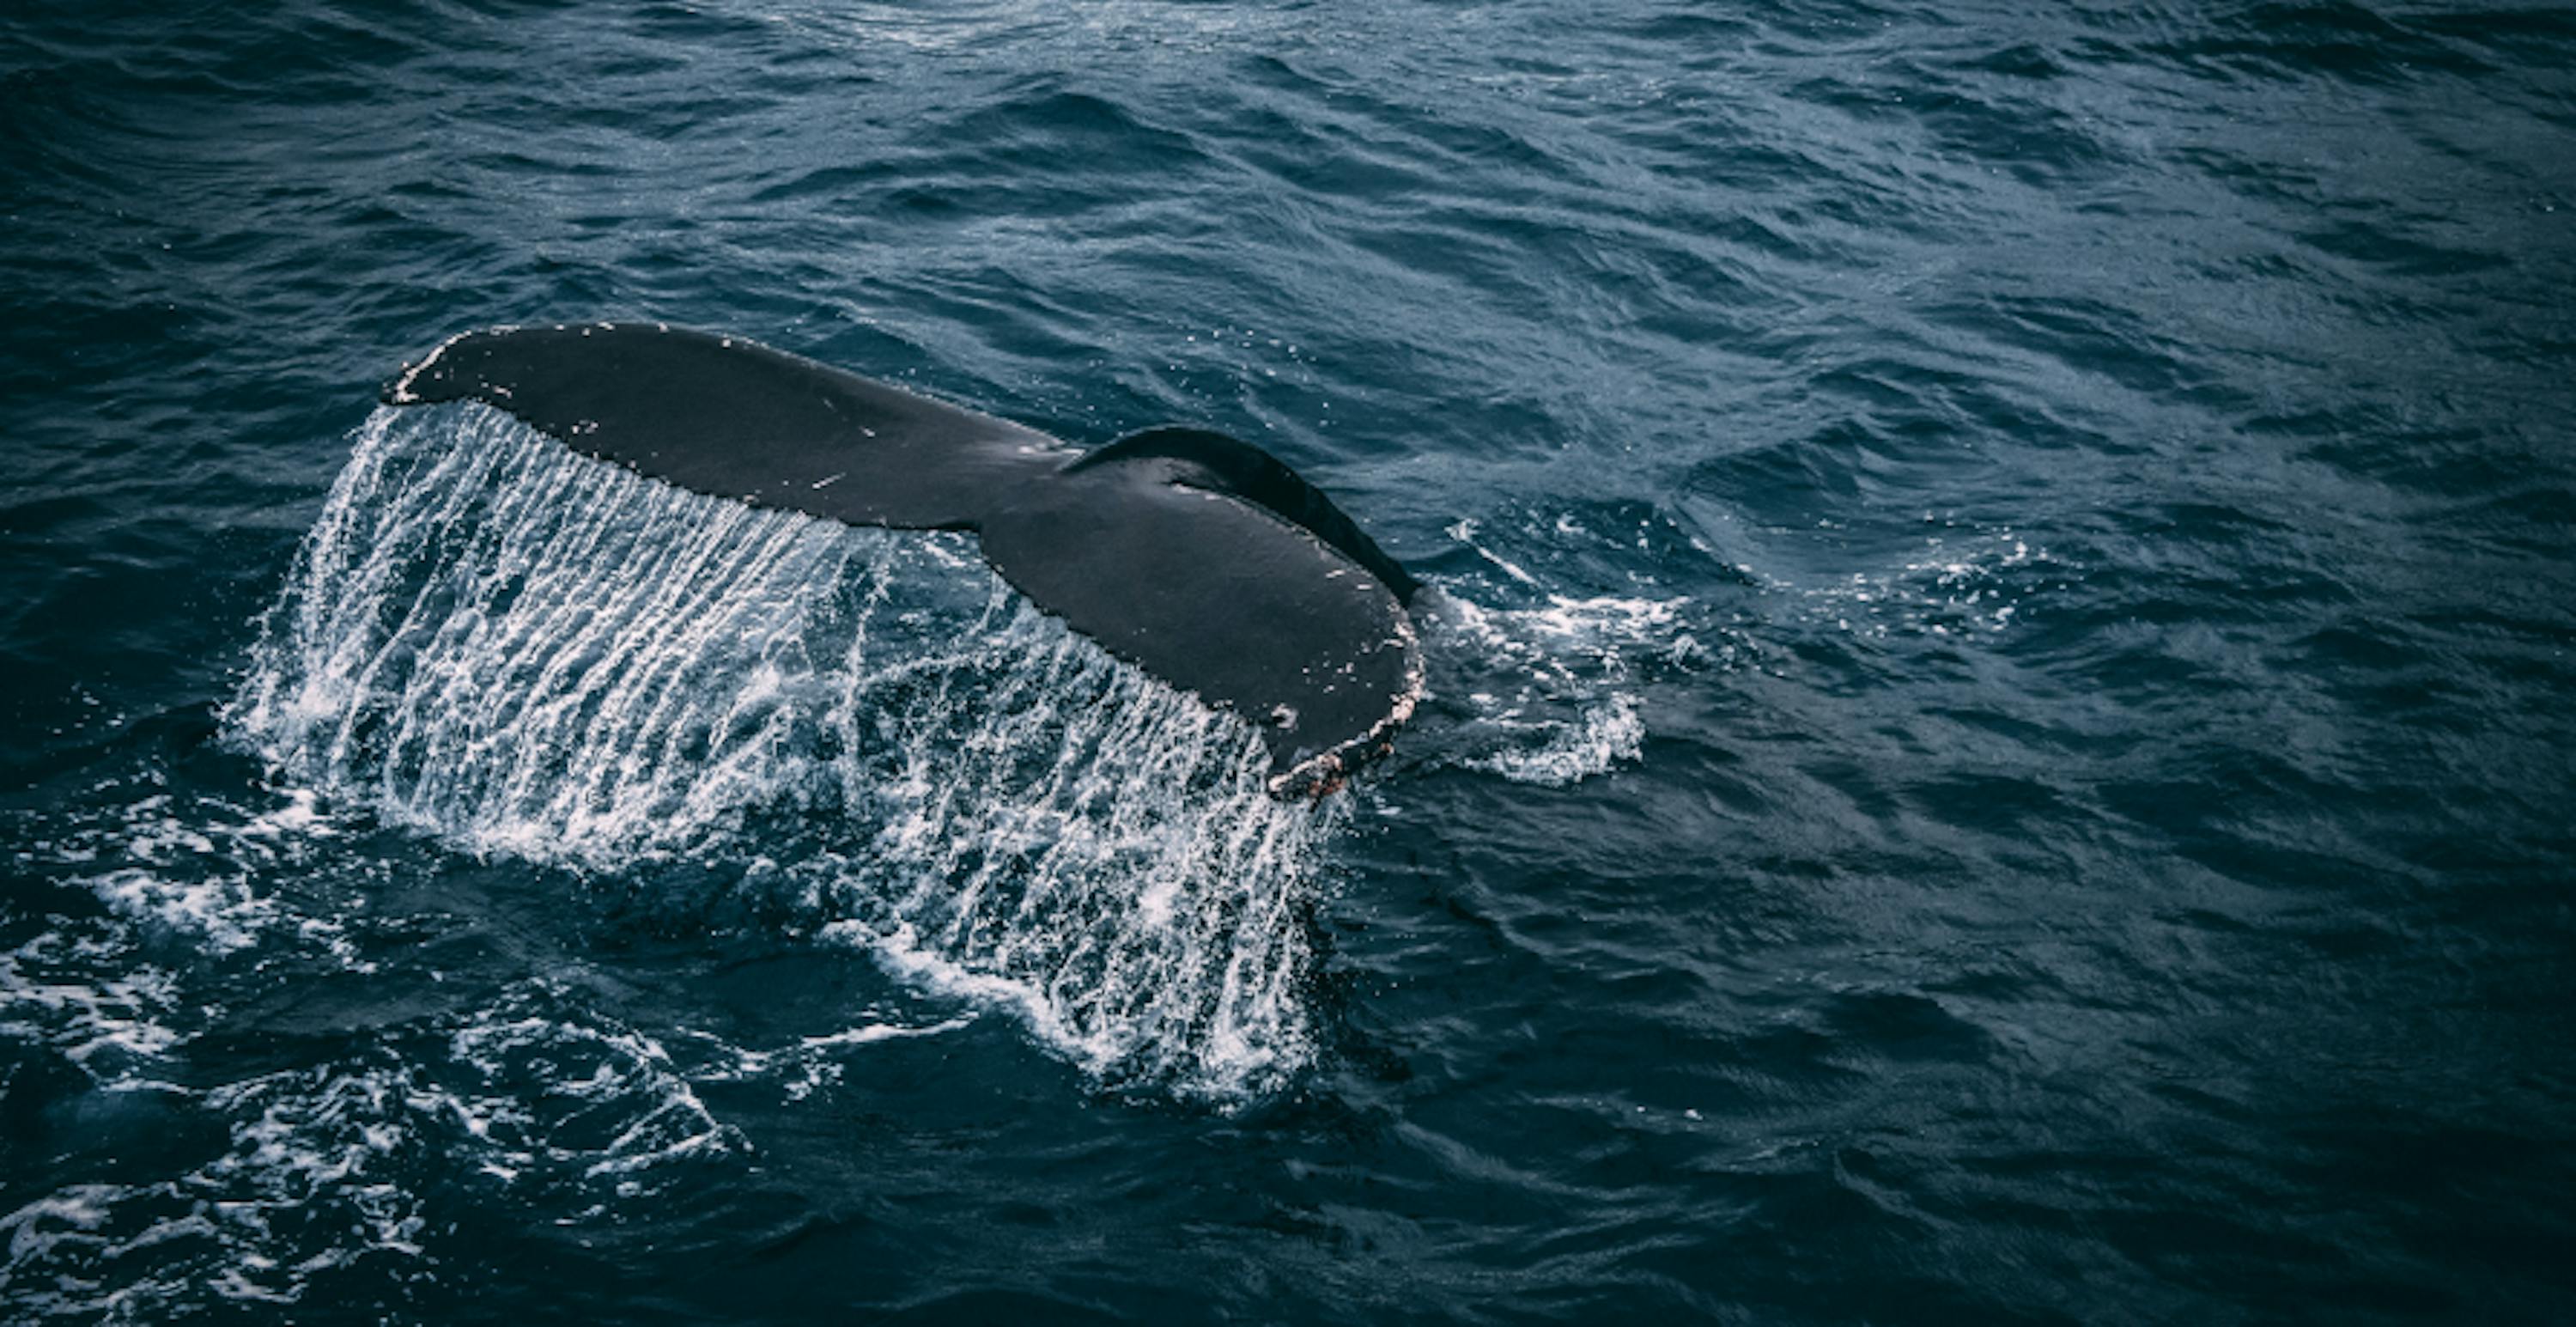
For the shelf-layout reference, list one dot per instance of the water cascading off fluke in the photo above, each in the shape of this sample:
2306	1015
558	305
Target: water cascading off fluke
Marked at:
522	651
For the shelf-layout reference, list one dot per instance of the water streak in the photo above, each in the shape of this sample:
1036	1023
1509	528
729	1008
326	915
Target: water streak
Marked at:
524	652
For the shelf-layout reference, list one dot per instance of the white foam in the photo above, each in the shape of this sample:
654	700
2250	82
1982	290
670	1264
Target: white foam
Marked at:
1962	583
1603	737
810	1063
222	913
612	1103
534	1094
198	875
1547	690
67	1216
53	990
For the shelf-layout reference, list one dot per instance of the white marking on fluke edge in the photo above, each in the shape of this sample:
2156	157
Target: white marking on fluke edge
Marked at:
402	393
1320	775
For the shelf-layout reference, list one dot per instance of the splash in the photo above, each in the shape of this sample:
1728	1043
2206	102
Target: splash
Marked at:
1547	684
523	652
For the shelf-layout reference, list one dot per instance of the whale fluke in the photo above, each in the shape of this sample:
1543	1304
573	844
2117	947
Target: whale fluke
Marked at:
1198	557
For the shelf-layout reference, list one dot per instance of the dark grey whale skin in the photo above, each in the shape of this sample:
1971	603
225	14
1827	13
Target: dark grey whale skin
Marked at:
1197	557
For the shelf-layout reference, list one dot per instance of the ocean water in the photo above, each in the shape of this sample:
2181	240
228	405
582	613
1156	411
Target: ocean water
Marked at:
1999	731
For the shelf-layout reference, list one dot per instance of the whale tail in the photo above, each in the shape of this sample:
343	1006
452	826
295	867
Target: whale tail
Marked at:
1198	557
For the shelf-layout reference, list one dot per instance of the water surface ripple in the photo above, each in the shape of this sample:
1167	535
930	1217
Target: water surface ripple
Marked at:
2000	701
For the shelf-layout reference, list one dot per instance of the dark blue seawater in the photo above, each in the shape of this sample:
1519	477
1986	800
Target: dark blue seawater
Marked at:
2001	712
